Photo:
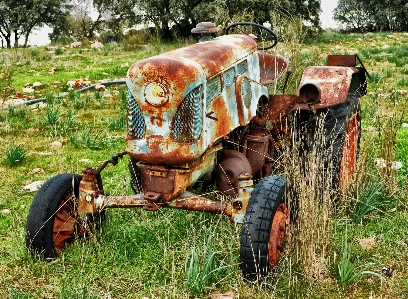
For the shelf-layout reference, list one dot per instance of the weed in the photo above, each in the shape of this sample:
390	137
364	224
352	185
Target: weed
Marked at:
78	102
15	154
58	51
86	139
119	124
34	52
123	100
347	270
370	199
7	71
69	124
201	267
87	100
52	115
100	98
374	78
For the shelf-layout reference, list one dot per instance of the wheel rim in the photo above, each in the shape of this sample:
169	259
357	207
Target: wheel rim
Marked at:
279	231
65	224
349	155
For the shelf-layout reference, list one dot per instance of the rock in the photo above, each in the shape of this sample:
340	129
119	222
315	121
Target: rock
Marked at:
37	170
100	87
75	45
6	212
28	90
37	84
367	243
381	163
56	143
223	295
45	153
71	83
405	125
86	160
79	83
32	187
97	45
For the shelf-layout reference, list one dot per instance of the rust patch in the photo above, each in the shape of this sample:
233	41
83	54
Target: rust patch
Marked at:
333	82
279	231
272	67
229	171
341	60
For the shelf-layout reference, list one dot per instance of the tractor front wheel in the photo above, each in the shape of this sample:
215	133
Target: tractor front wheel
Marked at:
265	227
53	221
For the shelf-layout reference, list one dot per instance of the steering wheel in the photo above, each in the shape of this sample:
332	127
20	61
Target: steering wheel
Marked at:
261	34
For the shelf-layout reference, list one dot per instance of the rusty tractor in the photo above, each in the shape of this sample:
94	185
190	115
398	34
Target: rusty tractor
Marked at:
203	113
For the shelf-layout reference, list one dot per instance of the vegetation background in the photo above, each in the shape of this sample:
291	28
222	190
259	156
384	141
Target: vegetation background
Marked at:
360	248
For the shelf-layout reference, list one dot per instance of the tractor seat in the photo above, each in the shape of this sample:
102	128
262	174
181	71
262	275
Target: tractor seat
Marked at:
272	67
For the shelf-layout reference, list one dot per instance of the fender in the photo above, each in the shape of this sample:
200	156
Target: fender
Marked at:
324	86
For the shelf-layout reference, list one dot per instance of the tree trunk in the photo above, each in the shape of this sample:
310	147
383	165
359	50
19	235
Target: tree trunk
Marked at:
27	34
16	39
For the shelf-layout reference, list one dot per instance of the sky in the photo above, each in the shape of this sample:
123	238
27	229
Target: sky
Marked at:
40	37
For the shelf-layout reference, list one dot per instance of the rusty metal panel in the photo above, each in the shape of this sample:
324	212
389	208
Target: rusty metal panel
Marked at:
162	86
333	82
272	67
341	60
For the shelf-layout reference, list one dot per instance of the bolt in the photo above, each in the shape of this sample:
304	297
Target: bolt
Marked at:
88	198
237	205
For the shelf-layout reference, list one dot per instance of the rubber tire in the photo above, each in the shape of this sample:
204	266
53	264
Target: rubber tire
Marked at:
266	197
335	121
40	219
135	177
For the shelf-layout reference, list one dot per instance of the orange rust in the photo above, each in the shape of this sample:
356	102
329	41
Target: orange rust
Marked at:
349	155
272	67
223	125
156	120
239	100
199	203
333	83
341	60
64	224
229	170
279	230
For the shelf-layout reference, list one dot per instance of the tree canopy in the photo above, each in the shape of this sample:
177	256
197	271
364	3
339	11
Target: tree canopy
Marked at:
372	15
19	17
82	19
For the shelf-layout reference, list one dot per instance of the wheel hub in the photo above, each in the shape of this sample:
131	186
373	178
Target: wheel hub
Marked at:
279	231
64	224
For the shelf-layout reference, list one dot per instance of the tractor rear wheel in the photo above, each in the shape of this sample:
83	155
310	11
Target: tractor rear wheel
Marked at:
265	227
336	130
53	221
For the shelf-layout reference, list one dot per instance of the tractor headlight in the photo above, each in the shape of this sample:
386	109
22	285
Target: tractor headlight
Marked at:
156	94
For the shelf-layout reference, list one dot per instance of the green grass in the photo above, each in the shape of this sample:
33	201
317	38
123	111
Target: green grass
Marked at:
172	253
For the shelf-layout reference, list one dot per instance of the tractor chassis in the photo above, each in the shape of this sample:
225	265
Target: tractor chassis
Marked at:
92	199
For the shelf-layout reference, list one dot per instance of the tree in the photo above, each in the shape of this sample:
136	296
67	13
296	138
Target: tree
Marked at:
89	17
162	13
372	15
19	17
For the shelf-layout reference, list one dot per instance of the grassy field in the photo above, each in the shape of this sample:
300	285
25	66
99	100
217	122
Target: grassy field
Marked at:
138	254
